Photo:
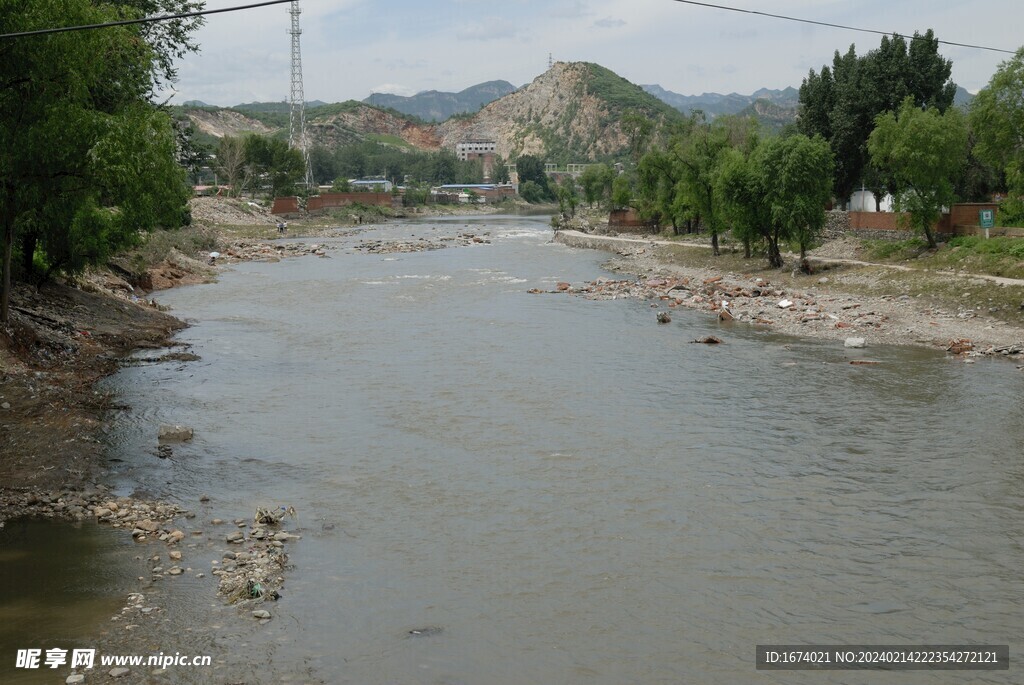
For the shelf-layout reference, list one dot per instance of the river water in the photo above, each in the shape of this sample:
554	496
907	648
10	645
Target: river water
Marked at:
562	490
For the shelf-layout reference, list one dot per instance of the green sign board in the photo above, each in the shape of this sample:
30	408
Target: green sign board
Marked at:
987	218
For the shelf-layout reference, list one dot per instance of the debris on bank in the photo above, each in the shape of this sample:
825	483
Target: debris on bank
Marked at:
253	574
422	244
757	301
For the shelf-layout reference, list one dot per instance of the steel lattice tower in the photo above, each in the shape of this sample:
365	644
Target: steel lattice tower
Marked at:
297	122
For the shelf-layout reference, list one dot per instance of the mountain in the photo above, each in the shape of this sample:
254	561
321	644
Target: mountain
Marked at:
715	104
570	113
433	105
963	97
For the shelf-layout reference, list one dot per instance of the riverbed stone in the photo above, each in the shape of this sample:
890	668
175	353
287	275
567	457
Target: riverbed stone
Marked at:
236	537
147	525
75	679
119	672
855	343
261	613
175	433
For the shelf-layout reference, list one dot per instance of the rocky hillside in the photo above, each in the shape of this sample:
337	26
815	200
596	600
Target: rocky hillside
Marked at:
433	105
570	113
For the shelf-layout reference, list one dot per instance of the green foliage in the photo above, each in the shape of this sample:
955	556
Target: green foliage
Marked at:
531	169
273	165
622	192
369	158
841	103
86	160
532	192
568	196
923	151
596	182
622	96
997	120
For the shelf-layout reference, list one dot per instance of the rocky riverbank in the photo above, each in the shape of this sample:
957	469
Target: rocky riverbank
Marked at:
830	304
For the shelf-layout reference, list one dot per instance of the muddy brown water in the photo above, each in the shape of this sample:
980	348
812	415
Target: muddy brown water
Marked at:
505	488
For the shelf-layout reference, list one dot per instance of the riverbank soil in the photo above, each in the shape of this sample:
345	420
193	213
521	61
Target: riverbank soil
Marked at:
61	340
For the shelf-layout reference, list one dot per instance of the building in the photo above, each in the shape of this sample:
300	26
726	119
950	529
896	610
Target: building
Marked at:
473	192
484	150
475	149
376	185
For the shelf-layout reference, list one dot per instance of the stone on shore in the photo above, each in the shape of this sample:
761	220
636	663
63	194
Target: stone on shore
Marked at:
855	343
119	672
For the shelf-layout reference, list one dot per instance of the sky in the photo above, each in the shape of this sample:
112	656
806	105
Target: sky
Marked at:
351	48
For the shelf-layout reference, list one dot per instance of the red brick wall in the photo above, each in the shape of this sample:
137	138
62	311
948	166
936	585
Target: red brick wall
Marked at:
628	221
329	200
966	214
891	221
285	205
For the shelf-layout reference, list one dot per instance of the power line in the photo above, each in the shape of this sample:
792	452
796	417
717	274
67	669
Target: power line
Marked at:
837	26
144	20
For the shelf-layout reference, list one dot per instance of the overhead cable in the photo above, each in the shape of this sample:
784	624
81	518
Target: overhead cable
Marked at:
837	26
144	20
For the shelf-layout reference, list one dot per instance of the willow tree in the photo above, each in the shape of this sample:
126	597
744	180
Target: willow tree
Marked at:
997	120
924	151
87	161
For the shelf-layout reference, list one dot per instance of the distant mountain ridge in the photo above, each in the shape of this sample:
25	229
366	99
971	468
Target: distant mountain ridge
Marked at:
716	104
435	106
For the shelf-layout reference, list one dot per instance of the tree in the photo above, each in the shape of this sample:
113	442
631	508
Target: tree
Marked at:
791	178
86	160
924	151
699	150
622	192
531	168
231	162
638	128
273	164
997	120
499	170
568	196
596	181
742	199
841	104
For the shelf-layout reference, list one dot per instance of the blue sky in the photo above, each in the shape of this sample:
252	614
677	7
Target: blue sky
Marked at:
354	47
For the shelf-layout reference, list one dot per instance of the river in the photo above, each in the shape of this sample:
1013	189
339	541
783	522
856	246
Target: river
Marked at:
561	490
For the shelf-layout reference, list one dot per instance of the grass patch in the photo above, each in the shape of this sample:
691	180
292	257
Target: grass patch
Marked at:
156	246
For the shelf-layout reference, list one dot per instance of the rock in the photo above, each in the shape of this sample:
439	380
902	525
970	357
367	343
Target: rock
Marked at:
708	340
175	536
100	512
261	613
856	343
236	537
864	362
147	525
75	679
663	317
175	433
216	522
725	315
7	405
785	304
175	571
562	286
119	672
175	555
204	498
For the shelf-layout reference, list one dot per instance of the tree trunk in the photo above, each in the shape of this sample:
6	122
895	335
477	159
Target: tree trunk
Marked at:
774	254
746	248
28	253
714	244
5	286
